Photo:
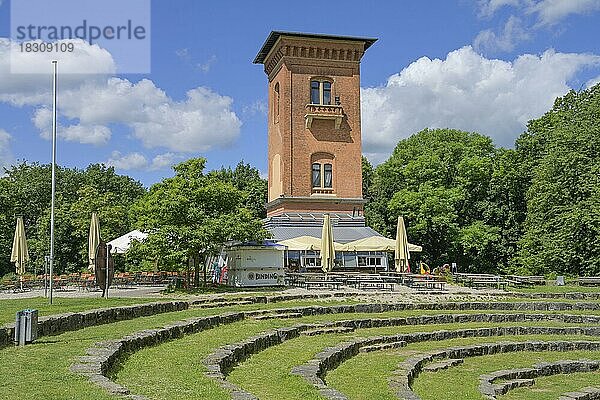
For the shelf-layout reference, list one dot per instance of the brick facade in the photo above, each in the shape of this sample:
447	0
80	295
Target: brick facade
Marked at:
302	133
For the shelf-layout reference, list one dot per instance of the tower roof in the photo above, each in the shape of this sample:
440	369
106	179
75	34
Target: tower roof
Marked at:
274	35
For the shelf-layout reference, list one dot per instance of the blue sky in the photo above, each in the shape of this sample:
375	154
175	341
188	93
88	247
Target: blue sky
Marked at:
486	65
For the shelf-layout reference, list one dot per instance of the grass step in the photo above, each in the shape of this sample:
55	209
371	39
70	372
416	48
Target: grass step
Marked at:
323	331
451	362
278	316
383	346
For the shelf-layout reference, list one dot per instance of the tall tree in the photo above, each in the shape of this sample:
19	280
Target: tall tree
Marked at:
191	215
439	179
562	151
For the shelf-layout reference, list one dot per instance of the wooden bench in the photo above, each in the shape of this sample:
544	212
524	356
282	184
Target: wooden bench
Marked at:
376	286
428	284
588	281
322	284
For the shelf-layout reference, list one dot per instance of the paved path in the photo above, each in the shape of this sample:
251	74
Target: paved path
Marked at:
138	291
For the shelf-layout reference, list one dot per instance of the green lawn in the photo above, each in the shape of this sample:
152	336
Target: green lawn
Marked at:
174	370
8	308
460	382
569	288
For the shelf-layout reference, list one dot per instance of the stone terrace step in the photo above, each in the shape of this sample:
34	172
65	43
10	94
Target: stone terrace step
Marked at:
383	346
323	331
222	304
451	362
506	386
589	393
278	316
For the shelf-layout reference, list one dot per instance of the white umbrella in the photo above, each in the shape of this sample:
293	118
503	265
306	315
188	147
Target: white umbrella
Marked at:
19	254
327	246
401	252
93	239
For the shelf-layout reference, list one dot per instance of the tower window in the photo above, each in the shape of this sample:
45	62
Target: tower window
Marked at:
276	103
320	92
316	175
327	175
322	176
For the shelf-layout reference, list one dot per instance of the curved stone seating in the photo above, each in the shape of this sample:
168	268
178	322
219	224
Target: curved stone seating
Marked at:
518	377
102	358
315	370
588	393
57	324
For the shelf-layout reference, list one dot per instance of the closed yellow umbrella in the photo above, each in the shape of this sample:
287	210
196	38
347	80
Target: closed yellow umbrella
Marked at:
93	239
401	252
327	246
19	254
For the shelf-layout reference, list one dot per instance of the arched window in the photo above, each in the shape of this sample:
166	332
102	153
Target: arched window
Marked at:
322	176
276	103
320	92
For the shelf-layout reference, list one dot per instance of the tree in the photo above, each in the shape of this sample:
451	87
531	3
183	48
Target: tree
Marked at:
562	151
246	179
26	191
192	214
439	180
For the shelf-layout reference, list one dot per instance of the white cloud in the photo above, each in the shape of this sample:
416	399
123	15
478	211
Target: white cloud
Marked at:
127	161
512	33
466	91
258	107
592	82
138	161
183	54
89	104
487	8
205	66
550	12
6	157
165	160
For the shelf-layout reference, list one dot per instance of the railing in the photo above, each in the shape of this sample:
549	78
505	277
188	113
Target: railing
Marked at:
324	111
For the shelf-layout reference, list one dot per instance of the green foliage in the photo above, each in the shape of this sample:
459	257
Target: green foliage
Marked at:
562	151
26	191
194	213
440	181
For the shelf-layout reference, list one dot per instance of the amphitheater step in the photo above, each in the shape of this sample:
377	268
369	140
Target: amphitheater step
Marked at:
278	316
216	304
506	386
383	346
324	331
451	362
589	393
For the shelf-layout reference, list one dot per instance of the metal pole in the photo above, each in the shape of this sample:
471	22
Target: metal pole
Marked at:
46	259
54	121
106	279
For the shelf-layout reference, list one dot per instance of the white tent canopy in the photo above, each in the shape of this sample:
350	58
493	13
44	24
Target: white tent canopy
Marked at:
121	244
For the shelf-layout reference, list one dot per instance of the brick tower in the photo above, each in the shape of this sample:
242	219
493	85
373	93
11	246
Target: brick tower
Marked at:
314	122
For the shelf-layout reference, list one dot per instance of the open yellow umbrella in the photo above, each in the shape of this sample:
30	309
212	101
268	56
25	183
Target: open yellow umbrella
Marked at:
401	252
375	243
93	239
327	246
19	254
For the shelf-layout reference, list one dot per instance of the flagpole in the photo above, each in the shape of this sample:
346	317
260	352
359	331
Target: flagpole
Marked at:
54	121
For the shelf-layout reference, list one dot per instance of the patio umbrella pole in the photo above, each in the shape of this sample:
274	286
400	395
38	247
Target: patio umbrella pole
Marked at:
54	121
107	272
